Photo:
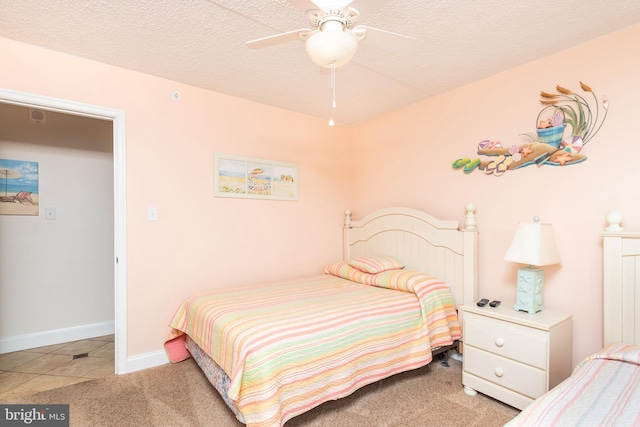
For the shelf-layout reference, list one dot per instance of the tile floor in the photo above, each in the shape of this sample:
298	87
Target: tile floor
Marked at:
44	368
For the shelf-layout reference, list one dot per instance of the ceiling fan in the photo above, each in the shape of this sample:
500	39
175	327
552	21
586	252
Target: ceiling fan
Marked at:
333	38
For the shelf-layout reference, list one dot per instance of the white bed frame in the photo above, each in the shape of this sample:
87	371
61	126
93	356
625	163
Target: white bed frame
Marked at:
423	243
621	293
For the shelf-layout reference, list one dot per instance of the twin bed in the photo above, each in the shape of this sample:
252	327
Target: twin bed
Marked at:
278	350
604	388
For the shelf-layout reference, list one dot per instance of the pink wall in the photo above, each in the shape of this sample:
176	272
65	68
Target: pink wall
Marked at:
427	137
200	241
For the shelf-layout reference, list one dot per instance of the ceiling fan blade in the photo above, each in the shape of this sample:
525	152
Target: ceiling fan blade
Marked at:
386	39
277	39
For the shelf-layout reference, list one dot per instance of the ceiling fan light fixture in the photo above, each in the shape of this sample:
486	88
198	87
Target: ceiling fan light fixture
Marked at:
332	46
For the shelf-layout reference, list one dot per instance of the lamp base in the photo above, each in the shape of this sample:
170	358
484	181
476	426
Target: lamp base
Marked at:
529	293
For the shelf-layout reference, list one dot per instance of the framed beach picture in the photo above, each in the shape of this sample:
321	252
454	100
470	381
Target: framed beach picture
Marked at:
246	177
18	187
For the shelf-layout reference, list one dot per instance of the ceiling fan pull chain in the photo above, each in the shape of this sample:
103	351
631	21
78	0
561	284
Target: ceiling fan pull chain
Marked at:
333	91
333	83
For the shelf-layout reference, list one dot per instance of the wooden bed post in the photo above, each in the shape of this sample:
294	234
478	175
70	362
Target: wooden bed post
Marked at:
621	282
470	217
347	218
471	255
345	234
612	295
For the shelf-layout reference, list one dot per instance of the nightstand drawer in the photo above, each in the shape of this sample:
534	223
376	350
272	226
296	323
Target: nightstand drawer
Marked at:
506	373
517	342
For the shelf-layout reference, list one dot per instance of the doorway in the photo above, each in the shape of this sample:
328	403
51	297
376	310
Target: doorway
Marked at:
117	117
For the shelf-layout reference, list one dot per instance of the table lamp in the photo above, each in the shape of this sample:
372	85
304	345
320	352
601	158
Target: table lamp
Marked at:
534	244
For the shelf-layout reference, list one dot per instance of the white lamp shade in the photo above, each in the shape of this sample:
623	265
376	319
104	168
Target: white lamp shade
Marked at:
534	244
332	45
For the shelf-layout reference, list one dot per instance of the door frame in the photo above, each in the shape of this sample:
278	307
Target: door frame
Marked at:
116	116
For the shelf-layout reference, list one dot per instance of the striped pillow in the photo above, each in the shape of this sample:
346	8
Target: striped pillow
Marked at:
376	263
346	271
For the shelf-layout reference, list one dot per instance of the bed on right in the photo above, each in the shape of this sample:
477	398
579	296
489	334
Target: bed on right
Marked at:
604	388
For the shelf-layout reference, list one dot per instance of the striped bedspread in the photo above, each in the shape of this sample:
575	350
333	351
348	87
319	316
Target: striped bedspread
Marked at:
291	346
604	390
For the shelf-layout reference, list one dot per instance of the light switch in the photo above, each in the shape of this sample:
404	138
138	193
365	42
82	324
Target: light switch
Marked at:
49	213
152	213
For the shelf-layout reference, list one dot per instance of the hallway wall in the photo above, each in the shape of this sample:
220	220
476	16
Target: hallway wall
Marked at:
56	276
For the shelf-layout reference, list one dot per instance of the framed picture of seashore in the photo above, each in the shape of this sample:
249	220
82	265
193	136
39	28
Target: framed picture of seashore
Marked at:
18	187
247	177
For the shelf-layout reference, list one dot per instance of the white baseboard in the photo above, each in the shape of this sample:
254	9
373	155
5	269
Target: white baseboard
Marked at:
145	361
57	336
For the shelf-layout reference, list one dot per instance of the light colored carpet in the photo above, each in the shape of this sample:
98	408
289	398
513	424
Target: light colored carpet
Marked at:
179	395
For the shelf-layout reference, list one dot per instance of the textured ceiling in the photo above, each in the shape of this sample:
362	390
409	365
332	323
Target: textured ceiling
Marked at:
201	42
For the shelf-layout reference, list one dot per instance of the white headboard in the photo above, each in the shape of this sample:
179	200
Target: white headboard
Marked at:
423	243
621	294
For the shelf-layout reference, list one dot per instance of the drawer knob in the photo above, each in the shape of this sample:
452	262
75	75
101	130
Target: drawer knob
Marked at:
499	372
499	342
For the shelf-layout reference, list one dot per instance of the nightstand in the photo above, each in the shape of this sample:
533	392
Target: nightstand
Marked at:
514	356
